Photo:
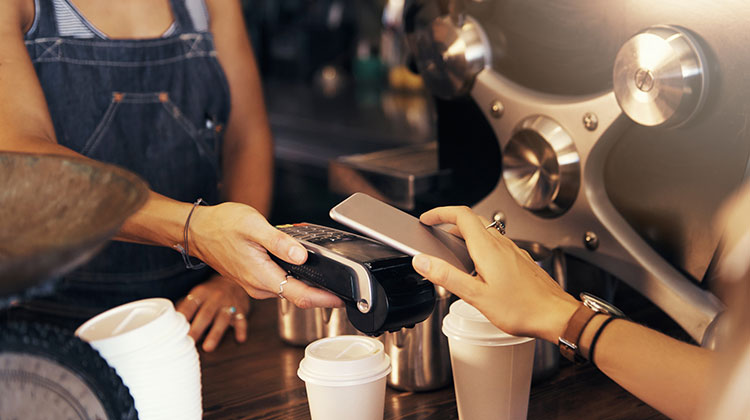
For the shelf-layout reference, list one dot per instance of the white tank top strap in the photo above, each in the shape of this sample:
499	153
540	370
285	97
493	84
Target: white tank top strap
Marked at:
71	23
198	13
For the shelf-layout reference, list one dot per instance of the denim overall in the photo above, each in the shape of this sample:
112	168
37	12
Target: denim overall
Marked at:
155	107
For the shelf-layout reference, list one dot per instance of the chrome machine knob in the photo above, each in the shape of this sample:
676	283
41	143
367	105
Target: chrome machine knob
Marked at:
450	47
660	77
541	167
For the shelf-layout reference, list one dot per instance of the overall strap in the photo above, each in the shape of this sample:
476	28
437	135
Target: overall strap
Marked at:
45	22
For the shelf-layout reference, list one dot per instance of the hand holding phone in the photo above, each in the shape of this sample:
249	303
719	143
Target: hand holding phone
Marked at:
400	230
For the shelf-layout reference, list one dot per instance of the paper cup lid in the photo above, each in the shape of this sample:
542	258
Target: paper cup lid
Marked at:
344	360
464	322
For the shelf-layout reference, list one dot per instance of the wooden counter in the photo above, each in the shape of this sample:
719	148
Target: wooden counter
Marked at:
258	380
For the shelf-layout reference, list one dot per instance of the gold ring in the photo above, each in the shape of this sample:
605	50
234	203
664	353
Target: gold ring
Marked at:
191	298
239	316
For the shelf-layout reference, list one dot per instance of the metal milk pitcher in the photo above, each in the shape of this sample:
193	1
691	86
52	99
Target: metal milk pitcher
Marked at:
300	327
546	355
419	356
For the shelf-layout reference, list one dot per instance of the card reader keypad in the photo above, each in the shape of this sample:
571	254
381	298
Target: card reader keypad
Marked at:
315	233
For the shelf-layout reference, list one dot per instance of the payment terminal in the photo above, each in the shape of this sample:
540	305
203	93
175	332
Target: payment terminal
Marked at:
381	290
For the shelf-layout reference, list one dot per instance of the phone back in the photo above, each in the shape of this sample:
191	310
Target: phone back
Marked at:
400	230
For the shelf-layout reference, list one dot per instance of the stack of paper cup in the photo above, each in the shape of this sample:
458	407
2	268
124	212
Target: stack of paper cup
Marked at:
147	343
345	378
491	369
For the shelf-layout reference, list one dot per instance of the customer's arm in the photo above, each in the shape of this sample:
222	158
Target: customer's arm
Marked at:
520	298
667	374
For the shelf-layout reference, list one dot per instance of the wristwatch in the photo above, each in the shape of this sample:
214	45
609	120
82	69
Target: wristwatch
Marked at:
600	305
592	305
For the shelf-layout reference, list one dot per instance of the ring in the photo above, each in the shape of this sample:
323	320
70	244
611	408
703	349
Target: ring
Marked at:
191	298
281	286
239	316
231	310
499	225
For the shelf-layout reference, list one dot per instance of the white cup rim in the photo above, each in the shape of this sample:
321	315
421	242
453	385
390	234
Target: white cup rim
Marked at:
465	323
313	379
135	338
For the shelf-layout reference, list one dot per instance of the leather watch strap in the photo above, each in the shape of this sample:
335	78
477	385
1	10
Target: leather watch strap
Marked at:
568	342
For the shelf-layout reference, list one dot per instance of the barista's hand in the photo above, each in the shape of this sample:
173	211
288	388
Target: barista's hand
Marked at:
210	304
510	289
233	239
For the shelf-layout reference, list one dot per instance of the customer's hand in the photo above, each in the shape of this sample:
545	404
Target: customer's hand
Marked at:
214	306
233	239
510	289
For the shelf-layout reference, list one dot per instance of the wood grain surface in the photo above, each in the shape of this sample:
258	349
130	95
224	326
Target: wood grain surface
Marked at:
258	380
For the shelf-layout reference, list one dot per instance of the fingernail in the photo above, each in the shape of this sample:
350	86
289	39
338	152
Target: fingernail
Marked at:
297	254
421	263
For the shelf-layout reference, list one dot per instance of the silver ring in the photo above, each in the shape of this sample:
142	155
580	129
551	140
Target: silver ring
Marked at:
231	310
281	286
499	225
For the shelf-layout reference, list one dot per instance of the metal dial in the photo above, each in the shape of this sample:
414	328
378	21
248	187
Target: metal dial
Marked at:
34	387
48	373
541	167
660	77
450	48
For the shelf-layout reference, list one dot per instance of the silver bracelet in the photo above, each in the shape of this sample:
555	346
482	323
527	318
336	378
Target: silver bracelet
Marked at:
185	250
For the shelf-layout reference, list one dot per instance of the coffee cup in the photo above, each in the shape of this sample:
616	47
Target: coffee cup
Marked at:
345	377
491	369
148	345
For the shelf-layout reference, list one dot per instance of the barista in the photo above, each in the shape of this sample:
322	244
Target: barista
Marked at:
674	377
168	89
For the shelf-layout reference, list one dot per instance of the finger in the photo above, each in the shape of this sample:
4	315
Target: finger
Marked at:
255	292
277	242
445	275
305	296
221	323
240	327
479	242
453	230
202	320
262	281
188	306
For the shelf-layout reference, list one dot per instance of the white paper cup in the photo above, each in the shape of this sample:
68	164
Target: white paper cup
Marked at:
131	326
146	342
491	369
345	378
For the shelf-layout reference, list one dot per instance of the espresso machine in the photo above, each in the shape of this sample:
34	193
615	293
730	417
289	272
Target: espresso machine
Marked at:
611	131
620	128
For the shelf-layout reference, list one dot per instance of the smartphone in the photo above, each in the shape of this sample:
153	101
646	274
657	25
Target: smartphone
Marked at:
400	230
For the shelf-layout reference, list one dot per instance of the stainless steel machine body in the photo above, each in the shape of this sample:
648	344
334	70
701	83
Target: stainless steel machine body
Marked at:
622	126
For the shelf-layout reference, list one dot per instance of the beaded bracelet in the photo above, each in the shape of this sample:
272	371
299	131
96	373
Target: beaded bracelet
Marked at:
185	251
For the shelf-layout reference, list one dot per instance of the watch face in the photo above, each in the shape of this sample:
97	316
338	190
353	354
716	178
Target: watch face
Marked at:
49	373
600	305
